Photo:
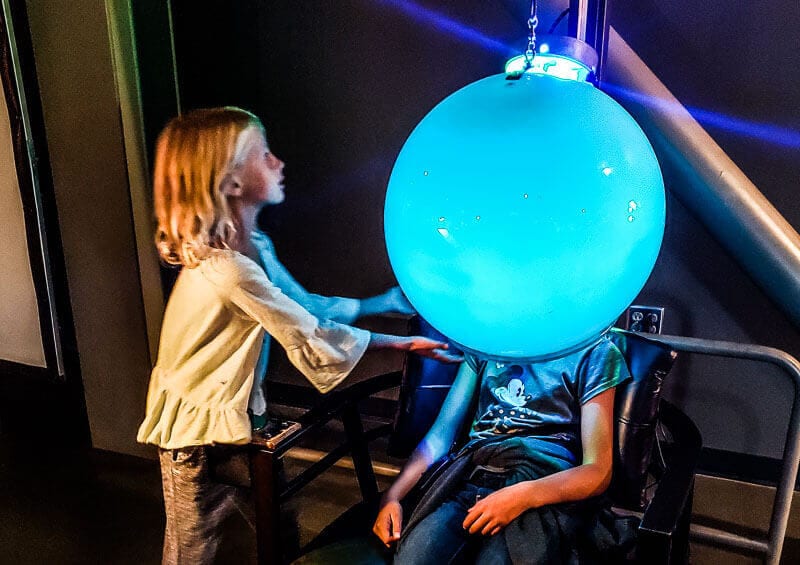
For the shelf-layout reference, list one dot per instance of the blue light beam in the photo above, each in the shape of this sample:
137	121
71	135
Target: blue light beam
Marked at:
452	27
777	135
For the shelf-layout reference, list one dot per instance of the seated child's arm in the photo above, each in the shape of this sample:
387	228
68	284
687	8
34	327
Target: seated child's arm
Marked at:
433	446
592	477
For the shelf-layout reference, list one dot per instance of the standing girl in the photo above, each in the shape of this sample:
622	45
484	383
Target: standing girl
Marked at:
213	173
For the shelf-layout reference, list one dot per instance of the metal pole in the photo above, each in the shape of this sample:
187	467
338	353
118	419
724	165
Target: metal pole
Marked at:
588	22
578	18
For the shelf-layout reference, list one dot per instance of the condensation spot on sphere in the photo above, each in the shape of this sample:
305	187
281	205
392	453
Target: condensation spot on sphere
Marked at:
631	218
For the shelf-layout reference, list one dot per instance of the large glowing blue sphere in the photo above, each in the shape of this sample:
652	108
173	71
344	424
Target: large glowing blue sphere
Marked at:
523	216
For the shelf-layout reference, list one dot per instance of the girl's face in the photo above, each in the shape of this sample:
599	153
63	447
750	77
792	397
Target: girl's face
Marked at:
261	174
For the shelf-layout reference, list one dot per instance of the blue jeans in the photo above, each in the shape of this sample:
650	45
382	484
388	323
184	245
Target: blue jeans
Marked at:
440	539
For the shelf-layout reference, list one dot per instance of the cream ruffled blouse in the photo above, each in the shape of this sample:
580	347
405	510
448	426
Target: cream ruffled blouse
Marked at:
213	345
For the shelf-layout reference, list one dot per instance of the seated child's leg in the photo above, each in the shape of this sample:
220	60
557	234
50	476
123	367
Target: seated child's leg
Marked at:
493	551
440	537
195	506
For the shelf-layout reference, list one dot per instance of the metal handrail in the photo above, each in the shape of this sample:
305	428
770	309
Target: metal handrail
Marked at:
791	453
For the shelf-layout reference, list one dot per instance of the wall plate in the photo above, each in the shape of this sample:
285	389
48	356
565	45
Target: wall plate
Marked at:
645	319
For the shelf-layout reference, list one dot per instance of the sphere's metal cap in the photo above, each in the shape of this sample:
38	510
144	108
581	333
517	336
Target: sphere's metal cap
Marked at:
557	55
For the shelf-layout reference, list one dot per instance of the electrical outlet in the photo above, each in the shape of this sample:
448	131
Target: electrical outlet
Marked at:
645	319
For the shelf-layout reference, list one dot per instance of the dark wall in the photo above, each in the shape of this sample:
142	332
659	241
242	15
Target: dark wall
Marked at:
729	63
341	83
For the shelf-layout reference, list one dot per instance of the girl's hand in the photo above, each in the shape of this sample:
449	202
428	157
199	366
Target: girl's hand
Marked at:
387	524
395	301
491	514
415	344
432	349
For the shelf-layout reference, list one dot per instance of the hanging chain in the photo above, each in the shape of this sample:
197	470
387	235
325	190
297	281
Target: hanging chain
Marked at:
533	21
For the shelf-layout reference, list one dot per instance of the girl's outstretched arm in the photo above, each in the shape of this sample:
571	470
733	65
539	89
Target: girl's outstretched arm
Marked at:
393	301
336	308
592	477
434	445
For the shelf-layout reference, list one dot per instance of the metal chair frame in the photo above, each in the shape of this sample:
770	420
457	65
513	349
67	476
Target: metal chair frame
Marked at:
771	546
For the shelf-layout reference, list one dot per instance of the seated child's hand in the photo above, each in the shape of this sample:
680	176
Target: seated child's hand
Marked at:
491	514
387	524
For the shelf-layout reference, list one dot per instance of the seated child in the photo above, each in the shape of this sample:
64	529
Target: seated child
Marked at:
525	487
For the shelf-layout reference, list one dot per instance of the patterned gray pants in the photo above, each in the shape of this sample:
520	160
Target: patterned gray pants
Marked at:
195	506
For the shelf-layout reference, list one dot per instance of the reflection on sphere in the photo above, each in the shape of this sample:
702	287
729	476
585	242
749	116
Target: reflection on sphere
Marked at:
523	217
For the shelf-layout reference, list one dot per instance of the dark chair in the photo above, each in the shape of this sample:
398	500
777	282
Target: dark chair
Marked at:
664	525
665	508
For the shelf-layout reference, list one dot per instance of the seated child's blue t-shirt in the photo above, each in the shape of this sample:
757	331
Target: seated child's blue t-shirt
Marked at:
542	400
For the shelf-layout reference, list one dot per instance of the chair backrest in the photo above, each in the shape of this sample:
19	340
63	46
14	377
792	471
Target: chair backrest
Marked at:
636	414
426	383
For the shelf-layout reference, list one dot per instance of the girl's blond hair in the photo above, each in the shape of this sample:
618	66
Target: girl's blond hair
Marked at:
194	156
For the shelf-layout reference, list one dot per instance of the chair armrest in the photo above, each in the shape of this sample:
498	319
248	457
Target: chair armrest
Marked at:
235	470
266	476
342	403
332	405
667	516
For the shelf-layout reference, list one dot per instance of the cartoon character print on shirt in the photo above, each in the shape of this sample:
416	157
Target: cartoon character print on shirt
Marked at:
509	411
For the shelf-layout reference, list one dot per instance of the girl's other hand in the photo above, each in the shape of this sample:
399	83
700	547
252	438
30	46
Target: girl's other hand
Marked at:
393	301
388	523
397	302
